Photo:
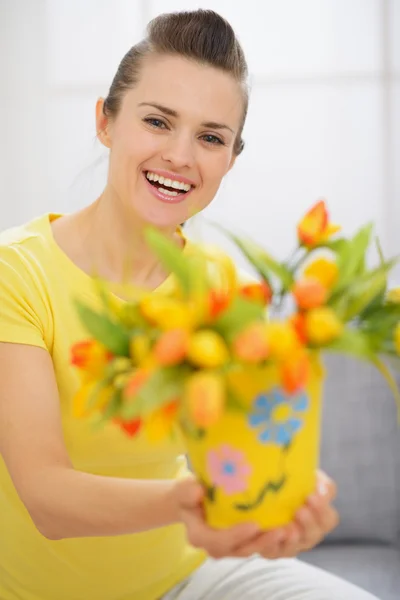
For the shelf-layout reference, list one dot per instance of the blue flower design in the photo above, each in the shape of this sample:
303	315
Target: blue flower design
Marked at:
277	431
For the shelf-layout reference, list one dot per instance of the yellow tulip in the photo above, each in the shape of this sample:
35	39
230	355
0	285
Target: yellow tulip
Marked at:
393	296
205	395
85	393
397	338
168	313
282	339
159	424
326	271
322	326
207	349
139	348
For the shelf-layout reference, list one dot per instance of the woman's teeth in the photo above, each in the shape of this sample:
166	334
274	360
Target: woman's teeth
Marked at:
165	183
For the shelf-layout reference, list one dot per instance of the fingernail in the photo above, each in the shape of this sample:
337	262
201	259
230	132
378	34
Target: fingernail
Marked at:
322	489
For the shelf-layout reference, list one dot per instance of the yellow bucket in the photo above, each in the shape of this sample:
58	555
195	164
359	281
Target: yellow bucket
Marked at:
259	464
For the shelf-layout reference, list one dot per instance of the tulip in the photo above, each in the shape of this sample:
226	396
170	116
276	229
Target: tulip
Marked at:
135	382
309	293
258	292
171	347
160	422
295	373
326	271
315	228
205	396
168	313
322	326
251	344
207	349
139	348
91	358
218	301
87	394
393	296
298	322
282	339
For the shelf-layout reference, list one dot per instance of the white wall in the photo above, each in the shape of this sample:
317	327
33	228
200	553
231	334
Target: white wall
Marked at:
324	116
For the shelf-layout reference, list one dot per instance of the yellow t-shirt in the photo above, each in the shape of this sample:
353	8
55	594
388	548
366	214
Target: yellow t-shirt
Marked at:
37	284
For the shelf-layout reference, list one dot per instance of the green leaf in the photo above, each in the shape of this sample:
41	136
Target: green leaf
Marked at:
241	312
172	258
103	329
354	343
361	291
351	257
263	262
390	380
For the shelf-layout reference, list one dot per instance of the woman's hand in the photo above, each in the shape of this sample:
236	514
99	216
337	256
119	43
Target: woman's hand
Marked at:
312	523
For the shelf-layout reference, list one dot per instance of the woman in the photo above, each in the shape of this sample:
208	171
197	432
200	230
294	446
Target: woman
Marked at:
95	515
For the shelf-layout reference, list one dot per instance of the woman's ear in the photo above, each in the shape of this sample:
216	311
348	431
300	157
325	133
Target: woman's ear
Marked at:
102	124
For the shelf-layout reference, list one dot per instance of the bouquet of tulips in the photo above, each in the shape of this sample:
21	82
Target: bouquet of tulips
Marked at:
160	362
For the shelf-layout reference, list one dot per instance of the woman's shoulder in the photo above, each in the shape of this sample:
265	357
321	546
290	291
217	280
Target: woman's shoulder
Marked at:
26	246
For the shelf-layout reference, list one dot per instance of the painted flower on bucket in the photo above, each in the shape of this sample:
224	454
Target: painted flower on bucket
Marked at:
278	417
228	469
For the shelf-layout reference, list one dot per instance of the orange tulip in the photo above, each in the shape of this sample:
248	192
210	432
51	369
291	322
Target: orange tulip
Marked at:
322	326
295	373
251	345
171	348
309	293
326	271
90	357
205	395
135	382
259	292
299	324
315	228
219	301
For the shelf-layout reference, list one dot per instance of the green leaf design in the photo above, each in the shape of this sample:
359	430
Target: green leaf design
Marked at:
103	329
172	258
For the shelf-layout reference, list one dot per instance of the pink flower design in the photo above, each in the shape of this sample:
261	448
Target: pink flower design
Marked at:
228	469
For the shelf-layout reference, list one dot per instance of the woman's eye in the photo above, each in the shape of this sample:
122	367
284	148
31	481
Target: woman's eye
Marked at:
157	123
212	139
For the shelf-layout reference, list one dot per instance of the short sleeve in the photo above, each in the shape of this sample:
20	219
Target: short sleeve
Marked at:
21	306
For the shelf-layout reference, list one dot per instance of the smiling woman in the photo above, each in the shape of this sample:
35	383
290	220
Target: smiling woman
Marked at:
92	514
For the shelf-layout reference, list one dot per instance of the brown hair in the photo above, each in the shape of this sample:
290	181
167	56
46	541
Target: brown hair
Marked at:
200	35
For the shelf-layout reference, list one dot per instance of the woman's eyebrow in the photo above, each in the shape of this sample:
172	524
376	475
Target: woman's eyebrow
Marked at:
173	113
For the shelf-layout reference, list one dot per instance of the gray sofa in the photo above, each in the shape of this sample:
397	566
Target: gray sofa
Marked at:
361	451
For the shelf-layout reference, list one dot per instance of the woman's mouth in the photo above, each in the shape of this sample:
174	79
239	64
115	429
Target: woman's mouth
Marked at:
167	190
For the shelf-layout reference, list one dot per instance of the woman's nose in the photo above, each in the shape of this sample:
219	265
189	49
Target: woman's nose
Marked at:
179	151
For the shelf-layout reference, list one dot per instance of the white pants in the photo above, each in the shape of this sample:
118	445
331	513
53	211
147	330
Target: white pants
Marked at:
259	579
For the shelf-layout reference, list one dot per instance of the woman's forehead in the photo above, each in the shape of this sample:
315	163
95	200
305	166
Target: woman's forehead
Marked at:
189	88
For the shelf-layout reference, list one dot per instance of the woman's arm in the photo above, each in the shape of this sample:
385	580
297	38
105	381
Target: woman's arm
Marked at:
63	502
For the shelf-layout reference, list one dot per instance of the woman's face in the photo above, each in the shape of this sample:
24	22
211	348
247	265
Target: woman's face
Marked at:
172	141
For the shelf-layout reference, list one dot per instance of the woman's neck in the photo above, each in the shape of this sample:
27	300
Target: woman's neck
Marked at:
102	239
